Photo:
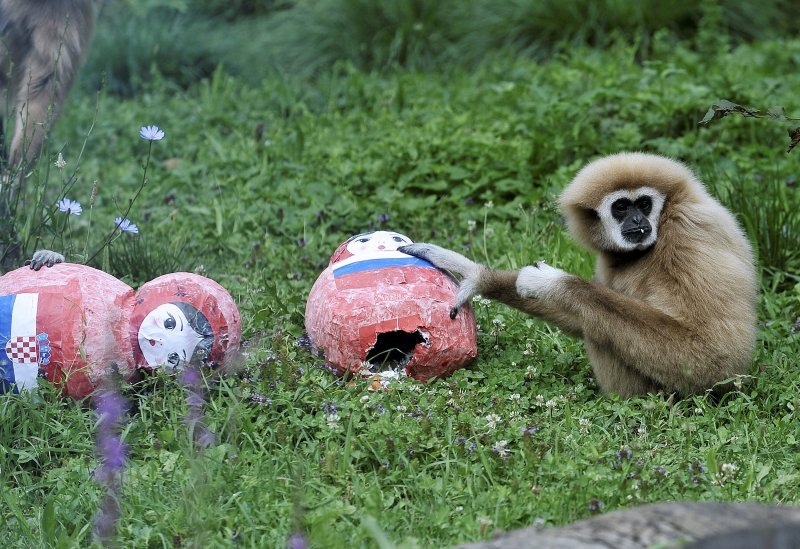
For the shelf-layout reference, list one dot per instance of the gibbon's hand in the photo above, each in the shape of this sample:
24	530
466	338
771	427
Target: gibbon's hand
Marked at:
538	279
44	257
450	261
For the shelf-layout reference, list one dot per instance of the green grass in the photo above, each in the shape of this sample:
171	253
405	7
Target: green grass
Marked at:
256	186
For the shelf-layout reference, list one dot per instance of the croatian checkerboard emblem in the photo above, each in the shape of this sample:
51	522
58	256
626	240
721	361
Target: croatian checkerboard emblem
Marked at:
22	349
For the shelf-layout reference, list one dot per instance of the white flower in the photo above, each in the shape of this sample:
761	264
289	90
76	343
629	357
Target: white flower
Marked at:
151	133
333	421
551	404
729	469
60	162
491	420
501	448
514	396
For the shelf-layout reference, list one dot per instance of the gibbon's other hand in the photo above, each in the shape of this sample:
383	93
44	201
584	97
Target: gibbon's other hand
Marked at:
44	257
450	261
537	279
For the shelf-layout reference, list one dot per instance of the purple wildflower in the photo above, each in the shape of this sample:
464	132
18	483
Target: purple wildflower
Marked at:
111	409
796	327
530	431
329	408
472	447
297	541
195	402
261	400
383	218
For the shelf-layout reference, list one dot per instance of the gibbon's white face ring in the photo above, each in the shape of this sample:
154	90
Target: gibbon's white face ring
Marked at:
613	238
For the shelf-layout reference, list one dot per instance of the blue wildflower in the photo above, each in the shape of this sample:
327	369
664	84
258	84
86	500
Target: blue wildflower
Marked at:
70	206
126	226
151	133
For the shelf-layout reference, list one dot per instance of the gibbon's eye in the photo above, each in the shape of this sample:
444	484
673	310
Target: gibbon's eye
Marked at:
645	204
170	323
620	207
397	239
173	359
362	240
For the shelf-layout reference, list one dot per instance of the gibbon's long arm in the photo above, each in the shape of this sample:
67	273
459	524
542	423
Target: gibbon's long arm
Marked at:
498	285
657	345
653	343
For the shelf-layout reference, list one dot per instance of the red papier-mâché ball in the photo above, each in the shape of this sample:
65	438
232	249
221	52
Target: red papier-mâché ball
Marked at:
71	323
374	310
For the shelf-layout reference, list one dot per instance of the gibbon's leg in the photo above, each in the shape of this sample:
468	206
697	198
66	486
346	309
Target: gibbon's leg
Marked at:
42	82
32	119
498	285
614	376
646	339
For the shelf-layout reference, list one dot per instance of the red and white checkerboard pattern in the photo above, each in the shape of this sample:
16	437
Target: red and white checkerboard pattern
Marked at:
22	350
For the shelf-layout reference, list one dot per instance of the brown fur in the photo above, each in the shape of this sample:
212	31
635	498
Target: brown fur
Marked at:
43	44
679	316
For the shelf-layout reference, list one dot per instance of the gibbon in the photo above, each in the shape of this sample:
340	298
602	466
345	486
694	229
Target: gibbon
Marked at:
673	302
43	44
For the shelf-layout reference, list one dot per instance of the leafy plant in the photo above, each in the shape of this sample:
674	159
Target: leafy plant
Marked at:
724	108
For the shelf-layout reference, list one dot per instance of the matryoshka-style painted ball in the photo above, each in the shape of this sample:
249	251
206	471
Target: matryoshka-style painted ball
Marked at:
70	323
374	310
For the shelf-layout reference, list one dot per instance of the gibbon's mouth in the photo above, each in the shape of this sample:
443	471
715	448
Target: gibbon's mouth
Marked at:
637	234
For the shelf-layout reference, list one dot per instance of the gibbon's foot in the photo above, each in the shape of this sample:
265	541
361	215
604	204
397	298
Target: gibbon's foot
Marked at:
537	279
44	257
454	263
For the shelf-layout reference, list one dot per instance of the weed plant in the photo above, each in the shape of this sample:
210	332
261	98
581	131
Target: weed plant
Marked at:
184	40
257	185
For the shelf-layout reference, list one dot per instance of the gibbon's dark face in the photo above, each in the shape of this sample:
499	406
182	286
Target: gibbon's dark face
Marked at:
630	218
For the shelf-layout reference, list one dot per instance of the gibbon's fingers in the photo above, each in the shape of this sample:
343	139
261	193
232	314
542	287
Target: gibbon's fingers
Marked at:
450	261
443	258
538	279
44	257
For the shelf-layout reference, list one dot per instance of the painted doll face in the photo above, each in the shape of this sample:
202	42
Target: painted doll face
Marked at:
166	338
379	241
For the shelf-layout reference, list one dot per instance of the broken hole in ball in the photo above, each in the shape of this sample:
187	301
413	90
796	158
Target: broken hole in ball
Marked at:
393	350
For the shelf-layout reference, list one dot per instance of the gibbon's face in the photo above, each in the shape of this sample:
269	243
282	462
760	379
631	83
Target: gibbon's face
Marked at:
630	218
166	338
